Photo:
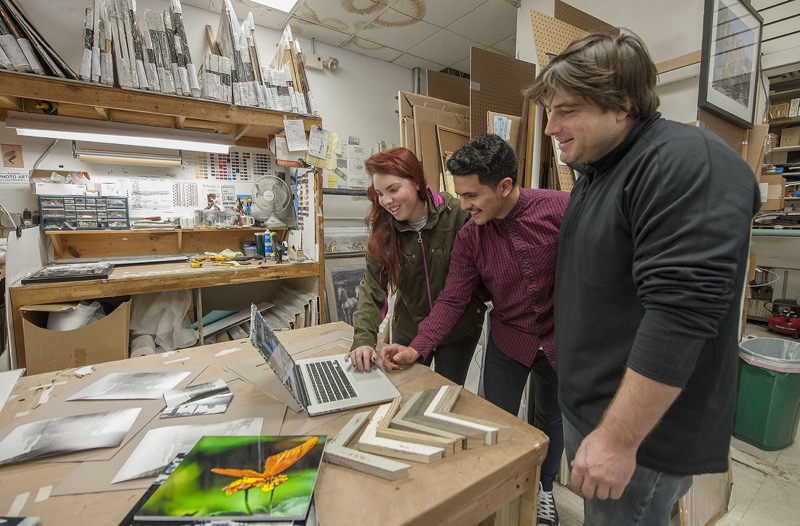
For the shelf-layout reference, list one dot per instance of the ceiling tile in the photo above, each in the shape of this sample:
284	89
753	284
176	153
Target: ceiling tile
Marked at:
262	16
336	15
396	30
444	48
371	49
202	4
410	61
507	47
493	22
438	13
320	33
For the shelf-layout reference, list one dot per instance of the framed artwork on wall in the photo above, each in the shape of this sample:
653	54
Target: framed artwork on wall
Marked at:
342	277
729	64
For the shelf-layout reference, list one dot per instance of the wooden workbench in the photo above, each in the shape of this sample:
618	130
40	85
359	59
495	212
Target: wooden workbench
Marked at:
146	278
488	485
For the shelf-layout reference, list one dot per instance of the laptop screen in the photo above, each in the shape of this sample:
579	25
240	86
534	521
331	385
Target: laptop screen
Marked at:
275	354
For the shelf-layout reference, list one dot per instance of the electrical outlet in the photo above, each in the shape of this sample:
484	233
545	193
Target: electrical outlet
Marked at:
313	61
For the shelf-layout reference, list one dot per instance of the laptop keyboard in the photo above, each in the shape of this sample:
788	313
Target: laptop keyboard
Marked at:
329	381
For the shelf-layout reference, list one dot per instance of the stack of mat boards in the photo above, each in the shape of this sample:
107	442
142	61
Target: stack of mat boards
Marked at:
147	51
23	49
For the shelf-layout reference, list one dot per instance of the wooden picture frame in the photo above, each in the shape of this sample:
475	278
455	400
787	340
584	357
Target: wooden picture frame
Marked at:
342	277
729	64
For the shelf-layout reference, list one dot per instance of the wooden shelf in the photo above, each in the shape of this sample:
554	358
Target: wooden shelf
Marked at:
779	149
784	121
784	95
345	191
249	126
91	244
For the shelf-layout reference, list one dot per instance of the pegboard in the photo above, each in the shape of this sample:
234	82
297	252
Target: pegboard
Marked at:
447	87
496	84
566	178
551	36
581	20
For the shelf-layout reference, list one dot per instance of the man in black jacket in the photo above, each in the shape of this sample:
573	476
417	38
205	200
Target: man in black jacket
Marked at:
651	264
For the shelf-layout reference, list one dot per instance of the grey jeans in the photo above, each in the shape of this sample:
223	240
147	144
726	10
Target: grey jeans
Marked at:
647	500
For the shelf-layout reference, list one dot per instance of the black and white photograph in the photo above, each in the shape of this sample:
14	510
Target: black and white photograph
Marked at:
209	398
729	63
131	386
67	434
342	277
159	446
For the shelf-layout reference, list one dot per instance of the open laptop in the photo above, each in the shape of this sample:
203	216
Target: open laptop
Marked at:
319	385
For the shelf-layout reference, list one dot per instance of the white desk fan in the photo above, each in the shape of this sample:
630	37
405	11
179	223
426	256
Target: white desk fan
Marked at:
271	196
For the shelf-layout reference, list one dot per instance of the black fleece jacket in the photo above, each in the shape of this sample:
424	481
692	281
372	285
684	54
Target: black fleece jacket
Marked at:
652	257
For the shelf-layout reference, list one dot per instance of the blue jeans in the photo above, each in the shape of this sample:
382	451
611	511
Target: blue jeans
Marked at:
452	360
503	382
647	500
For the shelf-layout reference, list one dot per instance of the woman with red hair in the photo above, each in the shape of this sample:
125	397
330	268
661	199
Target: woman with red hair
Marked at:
412	229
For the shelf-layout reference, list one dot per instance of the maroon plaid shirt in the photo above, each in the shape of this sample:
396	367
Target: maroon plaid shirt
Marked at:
515	257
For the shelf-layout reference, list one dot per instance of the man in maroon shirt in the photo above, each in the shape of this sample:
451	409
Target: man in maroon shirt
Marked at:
510	245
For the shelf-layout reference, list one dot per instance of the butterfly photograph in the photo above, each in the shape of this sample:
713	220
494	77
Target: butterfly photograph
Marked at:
246	478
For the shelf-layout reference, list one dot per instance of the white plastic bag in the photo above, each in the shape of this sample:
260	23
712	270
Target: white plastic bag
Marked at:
162	315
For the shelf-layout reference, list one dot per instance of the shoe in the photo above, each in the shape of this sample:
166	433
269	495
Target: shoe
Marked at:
546	513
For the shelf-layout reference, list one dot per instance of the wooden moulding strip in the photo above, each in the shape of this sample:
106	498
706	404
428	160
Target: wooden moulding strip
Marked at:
370	442
472	437
489	433
400	423
385	431
445	407
337	453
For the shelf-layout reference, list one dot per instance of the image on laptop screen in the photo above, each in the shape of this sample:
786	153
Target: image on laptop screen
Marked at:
275	354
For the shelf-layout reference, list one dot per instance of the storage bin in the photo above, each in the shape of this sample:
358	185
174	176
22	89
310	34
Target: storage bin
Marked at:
768	400
47	350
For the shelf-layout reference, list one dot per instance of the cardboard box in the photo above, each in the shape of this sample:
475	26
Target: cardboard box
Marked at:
794	107
772	188
790	136
46	350
776	158
779	111
58	189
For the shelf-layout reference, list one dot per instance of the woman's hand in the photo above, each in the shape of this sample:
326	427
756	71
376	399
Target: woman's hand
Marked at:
362	357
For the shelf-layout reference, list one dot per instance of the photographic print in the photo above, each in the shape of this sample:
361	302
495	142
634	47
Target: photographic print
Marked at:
131	386
346	240
67	434
342	277
160	445
204	399
730	59
240	478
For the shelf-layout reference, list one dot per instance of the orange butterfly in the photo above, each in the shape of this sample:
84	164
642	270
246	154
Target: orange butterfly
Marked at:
272	475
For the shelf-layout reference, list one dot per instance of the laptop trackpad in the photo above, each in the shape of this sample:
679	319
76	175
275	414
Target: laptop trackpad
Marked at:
360	376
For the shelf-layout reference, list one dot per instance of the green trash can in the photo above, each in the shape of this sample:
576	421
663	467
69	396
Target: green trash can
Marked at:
768	400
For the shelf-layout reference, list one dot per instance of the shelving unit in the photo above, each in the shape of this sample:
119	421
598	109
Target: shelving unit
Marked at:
250	127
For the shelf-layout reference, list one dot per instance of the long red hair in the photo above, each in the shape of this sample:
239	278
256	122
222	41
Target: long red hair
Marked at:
384	241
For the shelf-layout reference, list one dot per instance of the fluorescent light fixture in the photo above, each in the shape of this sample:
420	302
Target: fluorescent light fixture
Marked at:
281	5
87	155
74	129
